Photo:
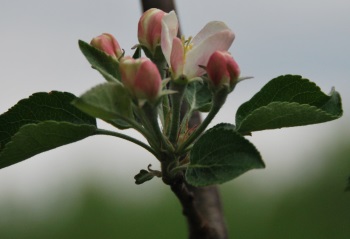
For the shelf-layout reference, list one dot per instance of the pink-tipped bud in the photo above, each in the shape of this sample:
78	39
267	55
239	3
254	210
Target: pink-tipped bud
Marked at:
150	28
222	70
108	44
141	77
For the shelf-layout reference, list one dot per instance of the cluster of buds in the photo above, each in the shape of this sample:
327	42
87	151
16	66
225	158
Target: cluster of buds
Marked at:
140	76
187	59
166	71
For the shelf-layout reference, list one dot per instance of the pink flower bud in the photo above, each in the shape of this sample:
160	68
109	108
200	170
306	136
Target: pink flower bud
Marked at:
108	44
141	77
222	69
150	28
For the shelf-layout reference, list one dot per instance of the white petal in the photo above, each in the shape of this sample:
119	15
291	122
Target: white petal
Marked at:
200	53
170	27
177	58
208	30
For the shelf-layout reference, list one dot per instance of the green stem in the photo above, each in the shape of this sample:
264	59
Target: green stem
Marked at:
218	101
180	168
128	138
161	65
185	120
151	134
166	110
152	115
176	102
145	133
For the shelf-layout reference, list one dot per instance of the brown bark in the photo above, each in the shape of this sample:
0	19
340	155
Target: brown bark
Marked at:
203	210
201	206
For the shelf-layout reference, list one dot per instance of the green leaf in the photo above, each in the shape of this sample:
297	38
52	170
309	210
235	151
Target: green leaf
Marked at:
348	186
199	96
288	101
32	139
28	115
105	64
38	108
109	101
143	176
221	154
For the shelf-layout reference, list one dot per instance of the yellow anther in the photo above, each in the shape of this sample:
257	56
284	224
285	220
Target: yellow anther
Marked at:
187	45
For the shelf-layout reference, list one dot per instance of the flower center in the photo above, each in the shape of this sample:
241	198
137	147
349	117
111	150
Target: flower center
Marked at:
186	44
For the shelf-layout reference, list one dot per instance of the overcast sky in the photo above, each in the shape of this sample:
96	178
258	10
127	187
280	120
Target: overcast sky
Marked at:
39	52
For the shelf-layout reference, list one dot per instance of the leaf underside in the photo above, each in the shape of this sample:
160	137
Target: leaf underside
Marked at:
199	96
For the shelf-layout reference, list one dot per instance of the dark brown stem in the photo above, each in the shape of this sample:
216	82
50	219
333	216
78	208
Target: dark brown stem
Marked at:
202	209
201	206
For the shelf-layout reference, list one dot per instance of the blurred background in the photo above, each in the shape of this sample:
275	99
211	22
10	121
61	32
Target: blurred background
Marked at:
86	189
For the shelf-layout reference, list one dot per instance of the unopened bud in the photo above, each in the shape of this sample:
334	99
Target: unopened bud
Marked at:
141	77
222	70
108	44
150	28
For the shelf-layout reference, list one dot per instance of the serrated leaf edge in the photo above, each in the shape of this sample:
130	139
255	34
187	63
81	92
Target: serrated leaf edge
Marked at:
232	129
318	110
271	82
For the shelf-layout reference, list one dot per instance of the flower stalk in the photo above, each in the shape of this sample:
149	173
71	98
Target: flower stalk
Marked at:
128	138
151	113
219	99
176	102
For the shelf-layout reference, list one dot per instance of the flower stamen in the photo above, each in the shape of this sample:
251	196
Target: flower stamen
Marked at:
187	44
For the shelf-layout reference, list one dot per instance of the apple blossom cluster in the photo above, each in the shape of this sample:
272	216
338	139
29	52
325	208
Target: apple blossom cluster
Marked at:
147	93
186	59
157	91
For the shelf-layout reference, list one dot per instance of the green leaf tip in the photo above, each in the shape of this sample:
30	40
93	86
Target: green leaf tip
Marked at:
288	101
220	155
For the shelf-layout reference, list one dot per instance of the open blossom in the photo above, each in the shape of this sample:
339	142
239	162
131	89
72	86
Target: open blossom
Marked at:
108	44
141	77
150	28
222	69
186	56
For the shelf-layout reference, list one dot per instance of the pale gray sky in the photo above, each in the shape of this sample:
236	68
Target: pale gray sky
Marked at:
39	52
